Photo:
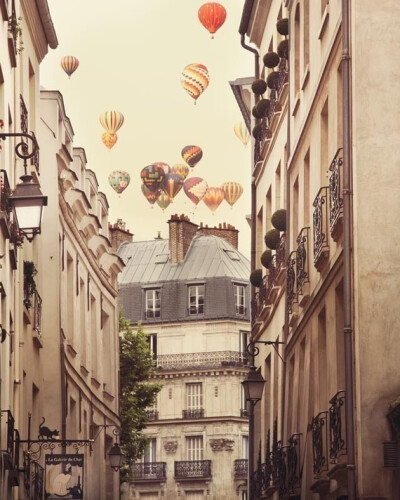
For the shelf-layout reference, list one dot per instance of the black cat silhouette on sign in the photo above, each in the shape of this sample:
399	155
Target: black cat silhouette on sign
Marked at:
46	434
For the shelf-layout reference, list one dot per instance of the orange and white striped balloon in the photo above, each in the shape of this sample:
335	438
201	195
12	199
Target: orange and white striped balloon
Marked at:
232	192
213	197
111	121
69	64
195	79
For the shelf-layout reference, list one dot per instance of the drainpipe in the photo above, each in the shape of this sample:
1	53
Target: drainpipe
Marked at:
347	257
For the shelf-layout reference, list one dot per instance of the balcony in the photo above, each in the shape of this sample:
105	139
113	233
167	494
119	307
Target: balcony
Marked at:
213	359
336	195
320	228
149	471
11	452
194	469
240	468
193	413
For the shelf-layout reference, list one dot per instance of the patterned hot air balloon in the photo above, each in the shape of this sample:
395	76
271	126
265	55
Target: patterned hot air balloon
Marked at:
241	132
152	177
195	188
181	169
192	155
213	198
119	180
151	196
163	200
195	79
172	184
232	192
212	16
163	165
109	139
69	64
111	121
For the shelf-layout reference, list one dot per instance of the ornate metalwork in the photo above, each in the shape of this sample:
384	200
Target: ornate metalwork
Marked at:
149	471
282	470
291	295
293	463
193	413
37	481
335	191
320	443
200	360
274	451
22	148
302	274
34	453
240	468
5	191
37	313
24	115
337	432
193	469
280	253
35	157
320	218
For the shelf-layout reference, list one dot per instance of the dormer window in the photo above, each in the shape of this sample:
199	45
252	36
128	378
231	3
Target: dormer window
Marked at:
196	299
153	304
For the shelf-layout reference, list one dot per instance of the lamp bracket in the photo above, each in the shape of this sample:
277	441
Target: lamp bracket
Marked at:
21	149
116	430
253	350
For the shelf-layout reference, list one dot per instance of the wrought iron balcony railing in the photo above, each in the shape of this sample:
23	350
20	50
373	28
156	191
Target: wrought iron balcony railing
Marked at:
37	312
291	295
149	471
152	414
320	228
193	413
302	266
293	463
200	360
240	468
12	441
193	469
336	193
319	427
5	191
337	427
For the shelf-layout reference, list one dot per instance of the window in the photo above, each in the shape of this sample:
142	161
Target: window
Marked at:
240	299
194	401
245	447
152	340
194	447
196	299
153	304
150	453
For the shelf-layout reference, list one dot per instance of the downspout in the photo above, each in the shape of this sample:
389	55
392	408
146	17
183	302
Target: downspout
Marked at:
347	256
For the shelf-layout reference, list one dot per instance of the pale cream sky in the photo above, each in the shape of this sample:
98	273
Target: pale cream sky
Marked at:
131	54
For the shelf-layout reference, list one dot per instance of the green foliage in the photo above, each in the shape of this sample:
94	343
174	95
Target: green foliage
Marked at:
256	277
30	272
137	394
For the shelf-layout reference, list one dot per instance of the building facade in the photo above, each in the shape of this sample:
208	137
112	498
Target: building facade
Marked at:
190	292
327	426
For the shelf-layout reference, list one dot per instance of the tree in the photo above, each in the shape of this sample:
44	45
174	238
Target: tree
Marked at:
136	392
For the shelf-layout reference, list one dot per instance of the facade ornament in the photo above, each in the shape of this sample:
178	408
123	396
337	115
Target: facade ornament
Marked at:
222	444
170	446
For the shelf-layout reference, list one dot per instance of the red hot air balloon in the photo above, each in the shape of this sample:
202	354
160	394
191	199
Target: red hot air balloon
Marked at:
69	64
192	155
152	177
164	166
172	184
151	196
213	198
212	16
195	188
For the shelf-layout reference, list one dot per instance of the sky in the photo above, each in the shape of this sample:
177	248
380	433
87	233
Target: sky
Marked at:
131	55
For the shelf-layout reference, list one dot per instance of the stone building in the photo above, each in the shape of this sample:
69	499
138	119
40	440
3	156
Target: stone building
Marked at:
190	292
325	151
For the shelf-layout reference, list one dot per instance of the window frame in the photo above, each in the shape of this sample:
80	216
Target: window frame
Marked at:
197	307
154	311
239	298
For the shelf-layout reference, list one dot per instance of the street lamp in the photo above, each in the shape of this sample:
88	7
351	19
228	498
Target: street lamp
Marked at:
27	200
116	457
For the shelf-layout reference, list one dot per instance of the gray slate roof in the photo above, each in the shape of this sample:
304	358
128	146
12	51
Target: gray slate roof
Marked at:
208	257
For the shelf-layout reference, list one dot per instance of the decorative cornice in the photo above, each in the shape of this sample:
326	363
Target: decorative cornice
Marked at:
222	444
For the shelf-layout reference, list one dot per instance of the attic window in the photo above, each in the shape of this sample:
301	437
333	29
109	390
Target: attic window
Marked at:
232	255
161	258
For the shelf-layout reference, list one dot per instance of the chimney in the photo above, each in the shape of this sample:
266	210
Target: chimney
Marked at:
226	231
118	234
181	234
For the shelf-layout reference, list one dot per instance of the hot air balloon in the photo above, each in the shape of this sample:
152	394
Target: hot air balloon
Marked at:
152	177
109	139
69	64
163	200
119	180
192	155
151	196
172	184
111	121
213	198
181	169
163	165
232	192
241	132
195	79
195	188
212	16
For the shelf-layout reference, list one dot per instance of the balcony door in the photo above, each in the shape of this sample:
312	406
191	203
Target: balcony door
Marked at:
194	448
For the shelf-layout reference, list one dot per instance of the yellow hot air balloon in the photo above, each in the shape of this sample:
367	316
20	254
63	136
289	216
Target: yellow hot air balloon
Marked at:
195	79
69	64
213	198
242	133
112	121
181	169
232	192
109	139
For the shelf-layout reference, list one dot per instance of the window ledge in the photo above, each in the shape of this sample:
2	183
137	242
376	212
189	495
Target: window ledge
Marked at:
324	23
296	104
306	77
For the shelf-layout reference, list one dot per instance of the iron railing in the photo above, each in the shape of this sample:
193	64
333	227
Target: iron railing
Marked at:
293	463
280	254
193	413
12	441
302	271
5	191
200	469
291	295
200	359
319	427
320	227
240	468
336	191
37	481
337	429
37	312
152	415
282	469
149	471
24	115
